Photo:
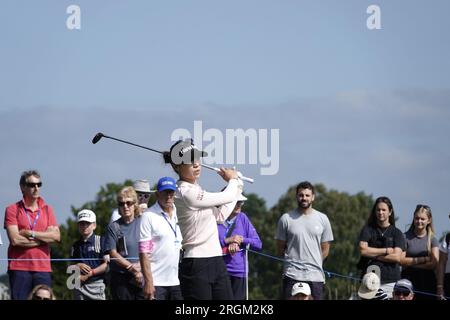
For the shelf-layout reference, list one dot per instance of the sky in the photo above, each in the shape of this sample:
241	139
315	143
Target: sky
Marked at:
356	109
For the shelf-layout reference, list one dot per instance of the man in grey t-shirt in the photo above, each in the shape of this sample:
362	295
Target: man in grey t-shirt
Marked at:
303	237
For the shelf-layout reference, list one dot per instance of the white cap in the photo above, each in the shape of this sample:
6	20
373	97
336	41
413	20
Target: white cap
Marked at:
301	287
86	215
142	186
369	285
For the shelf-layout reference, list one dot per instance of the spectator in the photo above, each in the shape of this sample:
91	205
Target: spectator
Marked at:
142	188
203	272
4	292
301	291
42	292
122	238
370	288
443	269
235	234
403	290
420	259
31	226
160	245
303	238
381	244
92	268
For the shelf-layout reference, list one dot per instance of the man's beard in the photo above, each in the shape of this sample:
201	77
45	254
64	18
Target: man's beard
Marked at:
304	205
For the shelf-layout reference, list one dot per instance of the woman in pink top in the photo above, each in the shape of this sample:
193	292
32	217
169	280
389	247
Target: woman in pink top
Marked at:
203	272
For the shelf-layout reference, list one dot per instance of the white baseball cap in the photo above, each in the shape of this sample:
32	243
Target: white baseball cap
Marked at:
301	287
369	286
86	215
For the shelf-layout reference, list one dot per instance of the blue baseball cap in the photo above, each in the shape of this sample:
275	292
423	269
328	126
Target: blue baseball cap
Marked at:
166	183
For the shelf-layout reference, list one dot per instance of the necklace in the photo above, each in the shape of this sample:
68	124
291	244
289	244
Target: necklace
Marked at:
383	232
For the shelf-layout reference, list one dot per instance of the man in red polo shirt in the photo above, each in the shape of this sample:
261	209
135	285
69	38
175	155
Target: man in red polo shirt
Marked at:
31	226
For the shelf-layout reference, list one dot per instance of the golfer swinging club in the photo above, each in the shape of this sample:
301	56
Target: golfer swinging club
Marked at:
203	272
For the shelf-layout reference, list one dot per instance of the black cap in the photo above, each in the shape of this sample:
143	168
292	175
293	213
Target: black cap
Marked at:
185	152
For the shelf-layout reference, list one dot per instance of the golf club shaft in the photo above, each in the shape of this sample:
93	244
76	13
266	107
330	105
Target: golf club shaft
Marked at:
133	144
101	135
250	180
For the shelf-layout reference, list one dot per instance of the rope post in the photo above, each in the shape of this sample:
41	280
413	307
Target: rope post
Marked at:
246	270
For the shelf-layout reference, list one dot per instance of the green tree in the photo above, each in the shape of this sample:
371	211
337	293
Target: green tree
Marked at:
347	214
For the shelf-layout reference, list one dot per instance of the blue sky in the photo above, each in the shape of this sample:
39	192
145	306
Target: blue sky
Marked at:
357	109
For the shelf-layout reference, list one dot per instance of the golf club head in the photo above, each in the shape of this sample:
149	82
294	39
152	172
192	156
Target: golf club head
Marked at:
97	138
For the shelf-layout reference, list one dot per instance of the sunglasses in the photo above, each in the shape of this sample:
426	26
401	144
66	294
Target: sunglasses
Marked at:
420	206
401	293
128	203
143	195
40	298
33	184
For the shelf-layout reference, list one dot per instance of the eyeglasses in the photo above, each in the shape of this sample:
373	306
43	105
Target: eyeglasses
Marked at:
40	298
33	184
128	203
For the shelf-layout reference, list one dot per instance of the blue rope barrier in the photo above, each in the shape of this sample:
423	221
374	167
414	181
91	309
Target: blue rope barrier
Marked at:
329	274
74	259
267	255
62	259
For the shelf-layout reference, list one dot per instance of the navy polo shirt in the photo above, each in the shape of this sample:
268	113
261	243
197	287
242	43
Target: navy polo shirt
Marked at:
91	248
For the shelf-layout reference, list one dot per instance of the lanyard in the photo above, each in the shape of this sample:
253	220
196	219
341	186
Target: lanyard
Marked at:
28	216
173	229
230	225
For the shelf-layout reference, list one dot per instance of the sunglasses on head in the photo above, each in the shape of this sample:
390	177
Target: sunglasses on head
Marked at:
33	184
40	298
420	206
123	203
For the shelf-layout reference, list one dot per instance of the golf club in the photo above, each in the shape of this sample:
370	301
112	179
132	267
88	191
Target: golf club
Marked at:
100	135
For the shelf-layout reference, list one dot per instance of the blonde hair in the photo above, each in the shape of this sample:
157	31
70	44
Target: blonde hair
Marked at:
41	287
421	208
129	192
